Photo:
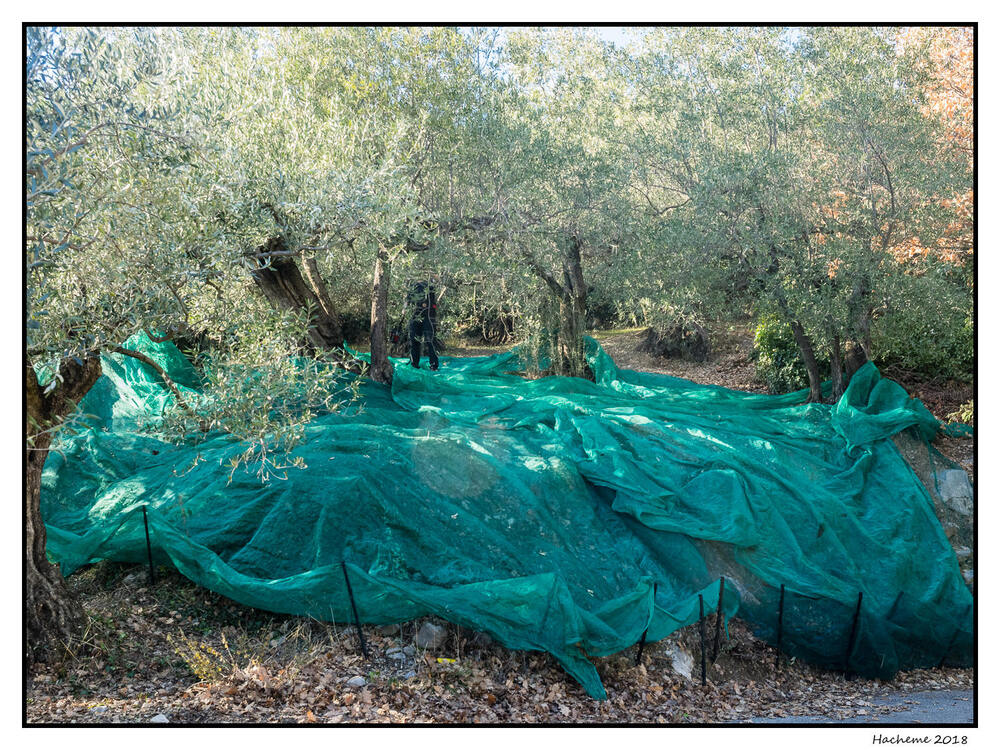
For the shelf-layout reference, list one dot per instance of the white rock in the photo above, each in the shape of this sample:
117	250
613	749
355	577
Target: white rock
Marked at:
955	490
681	661
159	719
357	681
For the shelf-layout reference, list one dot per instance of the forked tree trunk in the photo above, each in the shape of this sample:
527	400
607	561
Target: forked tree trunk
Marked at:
571	294
861	311
865	329
809	360
318	286
53	618
381	369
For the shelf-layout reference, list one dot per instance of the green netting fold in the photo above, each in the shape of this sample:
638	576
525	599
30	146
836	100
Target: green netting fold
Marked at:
958	430
543	512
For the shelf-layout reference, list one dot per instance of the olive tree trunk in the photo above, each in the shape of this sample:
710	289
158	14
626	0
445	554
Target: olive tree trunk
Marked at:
381	368
856	359
278	276
572	314
808	355
836	369
53	617
567	351
570	358
859	304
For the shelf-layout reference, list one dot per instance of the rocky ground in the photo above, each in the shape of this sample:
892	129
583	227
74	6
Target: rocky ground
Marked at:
176	653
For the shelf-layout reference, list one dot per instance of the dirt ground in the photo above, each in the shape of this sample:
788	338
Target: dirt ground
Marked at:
176	653
729	363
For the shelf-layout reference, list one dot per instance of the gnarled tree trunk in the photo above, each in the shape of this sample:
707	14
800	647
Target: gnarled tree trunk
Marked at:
570	359
855	360
861	310
279	278
571	294
809	360
865	331
318	286
381	370
52	616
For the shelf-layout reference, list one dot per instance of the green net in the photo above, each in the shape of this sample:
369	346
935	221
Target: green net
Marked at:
543	512
958	430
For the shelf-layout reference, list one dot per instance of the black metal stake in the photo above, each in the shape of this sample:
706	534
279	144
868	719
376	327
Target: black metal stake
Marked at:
357	620
781	625
854	632
149	549
701	628
954	635
642	641
718	621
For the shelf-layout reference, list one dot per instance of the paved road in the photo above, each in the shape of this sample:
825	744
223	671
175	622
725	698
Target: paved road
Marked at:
929	707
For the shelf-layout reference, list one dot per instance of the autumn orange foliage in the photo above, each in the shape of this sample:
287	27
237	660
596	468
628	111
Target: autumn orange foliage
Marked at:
949	97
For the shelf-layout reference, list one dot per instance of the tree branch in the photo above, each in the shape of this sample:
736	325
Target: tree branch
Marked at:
542	272
160	371
154	338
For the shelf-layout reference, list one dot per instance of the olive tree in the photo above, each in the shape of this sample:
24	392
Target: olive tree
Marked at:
346	160
805	158
123	236
102	141
566	200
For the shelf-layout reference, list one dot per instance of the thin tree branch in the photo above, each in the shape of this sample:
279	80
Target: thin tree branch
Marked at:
160	371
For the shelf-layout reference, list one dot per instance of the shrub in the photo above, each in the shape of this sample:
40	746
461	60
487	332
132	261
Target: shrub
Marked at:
777	356
602	308
966	413
929	330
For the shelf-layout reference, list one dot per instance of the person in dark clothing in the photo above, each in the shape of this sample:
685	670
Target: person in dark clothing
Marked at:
422	302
